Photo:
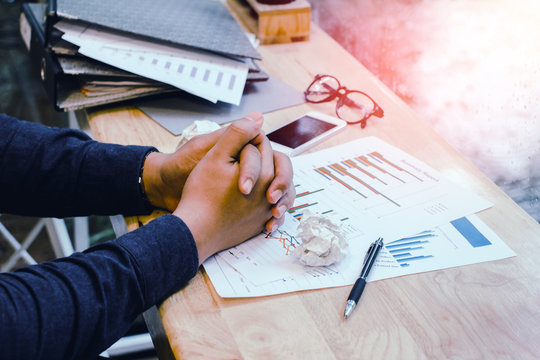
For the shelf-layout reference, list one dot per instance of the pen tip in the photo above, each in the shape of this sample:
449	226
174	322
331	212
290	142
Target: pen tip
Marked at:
351	304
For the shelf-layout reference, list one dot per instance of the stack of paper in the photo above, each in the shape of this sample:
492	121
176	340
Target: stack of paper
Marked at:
154	47
204	74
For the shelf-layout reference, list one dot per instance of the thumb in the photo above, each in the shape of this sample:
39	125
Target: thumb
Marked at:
238	134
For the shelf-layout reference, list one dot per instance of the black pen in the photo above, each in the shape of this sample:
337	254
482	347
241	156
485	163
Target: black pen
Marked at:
359	285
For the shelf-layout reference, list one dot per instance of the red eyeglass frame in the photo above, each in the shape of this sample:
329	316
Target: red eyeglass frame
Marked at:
341	93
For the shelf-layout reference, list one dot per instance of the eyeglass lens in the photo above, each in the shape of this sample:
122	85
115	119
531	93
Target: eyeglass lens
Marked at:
353	106
323	89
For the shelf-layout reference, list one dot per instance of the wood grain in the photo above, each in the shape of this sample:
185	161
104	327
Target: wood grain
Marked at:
283	23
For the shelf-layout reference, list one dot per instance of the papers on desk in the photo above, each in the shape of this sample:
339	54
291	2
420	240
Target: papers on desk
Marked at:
141	49
374	190
176	112
210	76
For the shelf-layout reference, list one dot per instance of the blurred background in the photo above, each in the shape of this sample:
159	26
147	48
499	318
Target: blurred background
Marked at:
471	69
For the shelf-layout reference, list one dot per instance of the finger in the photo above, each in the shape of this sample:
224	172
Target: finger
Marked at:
273	224
283	180
250	168
238	134
267	158
204	142
284	204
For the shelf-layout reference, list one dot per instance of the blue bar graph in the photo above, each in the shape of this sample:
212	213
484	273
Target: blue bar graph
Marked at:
405	262
402	249
433	243
470	232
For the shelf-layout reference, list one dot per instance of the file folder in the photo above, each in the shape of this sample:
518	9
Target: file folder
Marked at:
61	69
201	24
63	89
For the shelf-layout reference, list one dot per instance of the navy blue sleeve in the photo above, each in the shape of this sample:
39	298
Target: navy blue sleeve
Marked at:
55	172
76	307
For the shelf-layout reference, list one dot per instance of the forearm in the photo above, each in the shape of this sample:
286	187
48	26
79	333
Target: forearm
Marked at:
78	306
52	172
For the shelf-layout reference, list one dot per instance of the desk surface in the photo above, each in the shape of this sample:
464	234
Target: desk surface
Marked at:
486	310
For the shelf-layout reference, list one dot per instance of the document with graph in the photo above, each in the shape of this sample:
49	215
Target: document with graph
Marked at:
371	189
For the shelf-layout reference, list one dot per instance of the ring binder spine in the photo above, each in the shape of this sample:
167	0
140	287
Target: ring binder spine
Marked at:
44	64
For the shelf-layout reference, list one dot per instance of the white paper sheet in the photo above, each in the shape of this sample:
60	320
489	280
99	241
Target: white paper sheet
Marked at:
176	112
378	190
467	241
373	189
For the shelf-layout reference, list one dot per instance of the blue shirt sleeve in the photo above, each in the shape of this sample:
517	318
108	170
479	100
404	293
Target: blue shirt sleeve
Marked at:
76	307
55	172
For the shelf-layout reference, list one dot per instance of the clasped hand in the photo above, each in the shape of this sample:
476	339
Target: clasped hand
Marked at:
227	186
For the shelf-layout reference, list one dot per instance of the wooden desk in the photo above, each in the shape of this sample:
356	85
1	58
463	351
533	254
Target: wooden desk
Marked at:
487	310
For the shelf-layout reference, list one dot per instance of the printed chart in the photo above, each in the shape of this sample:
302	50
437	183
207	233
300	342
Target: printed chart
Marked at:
371	189
266	265
462	242
266	257
406	250
378	189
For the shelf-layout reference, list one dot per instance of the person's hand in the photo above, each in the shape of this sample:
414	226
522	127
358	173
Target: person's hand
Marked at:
281	192
164	175
216	211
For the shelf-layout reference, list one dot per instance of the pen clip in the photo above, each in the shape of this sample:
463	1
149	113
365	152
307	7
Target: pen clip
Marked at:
370	249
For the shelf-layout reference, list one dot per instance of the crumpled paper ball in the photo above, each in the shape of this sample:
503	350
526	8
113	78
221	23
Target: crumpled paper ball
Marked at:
198	127
323	242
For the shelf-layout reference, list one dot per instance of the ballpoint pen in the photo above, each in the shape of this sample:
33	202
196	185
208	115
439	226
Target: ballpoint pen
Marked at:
360	283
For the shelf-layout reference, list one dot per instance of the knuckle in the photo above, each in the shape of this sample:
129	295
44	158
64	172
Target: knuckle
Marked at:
267	173
291	195
239	128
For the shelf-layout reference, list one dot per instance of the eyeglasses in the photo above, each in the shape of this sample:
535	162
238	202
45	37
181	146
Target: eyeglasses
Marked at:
353	106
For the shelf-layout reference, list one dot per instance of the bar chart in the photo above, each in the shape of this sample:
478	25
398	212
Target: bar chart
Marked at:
409	249
374	177
372	187
426	250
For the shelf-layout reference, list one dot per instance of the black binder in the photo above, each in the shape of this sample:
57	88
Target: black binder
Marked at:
202	24
64	89
44	64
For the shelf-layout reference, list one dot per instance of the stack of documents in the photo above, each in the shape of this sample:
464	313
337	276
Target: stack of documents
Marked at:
125	49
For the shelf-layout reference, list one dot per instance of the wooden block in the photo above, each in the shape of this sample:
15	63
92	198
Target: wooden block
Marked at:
275	23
